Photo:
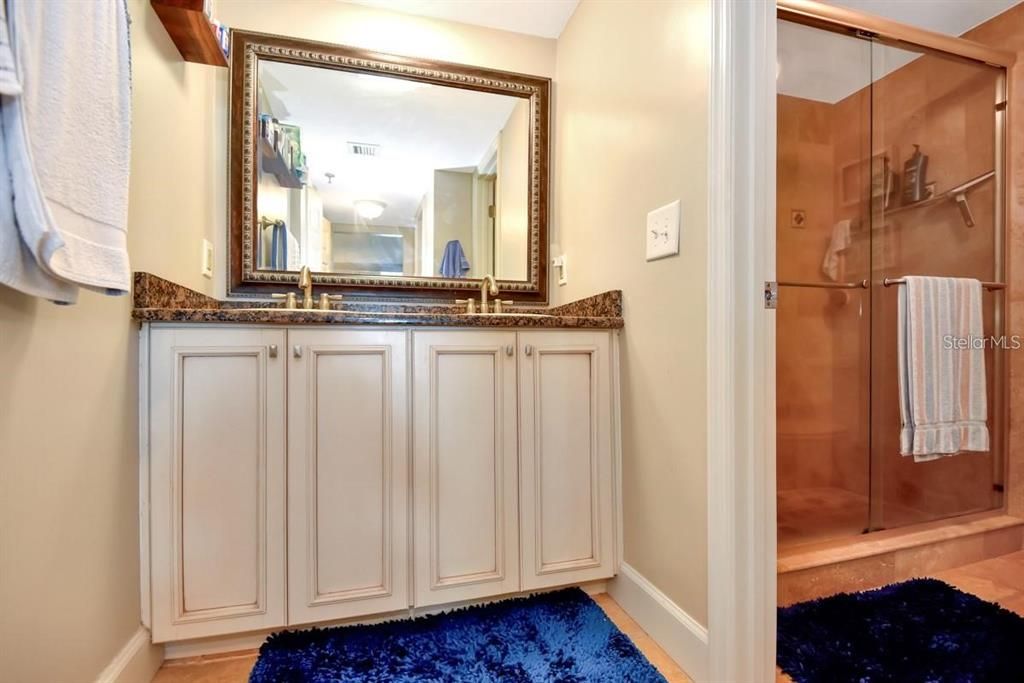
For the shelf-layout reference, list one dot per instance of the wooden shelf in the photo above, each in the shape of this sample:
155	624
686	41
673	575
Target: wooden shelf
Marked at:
273	163
190	30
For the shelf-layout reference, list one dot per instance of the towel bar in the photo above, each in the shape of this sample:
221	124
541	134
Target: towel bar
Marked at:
890	281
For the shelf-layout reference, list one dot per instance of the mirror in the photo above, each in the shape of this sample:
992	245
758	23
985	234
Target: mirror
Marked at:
384	174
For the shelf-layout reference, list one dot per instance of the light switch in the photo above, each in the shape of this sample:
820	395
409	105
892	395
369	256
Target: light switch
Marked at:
663	231
207	259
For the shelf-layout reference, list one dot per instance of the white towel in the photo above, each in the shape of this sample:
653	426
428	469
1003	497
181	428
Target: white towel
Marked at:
68	138
18	266
943	403
294	252
839	243
9	84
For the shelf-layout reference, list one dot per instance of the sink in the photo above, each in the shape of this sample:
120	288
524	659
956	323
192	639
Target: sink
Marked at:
509	315
264	309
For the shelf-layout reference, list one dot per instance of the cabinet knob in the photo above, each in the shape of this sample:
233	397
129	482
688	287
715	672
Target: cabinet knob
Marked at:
272	351
528	350
297	351
509	350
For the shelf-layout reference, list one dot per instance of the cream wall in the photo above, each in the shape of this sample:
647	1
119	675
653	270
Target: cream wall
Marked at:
630	136
69	598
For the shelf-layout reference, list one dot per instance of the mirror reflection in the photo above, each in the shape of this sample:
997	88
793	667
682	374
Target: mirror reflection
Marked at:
374	175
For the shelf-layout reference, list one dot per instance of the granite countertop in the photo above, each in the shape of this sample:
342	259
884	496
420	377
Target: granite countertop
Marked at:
159	300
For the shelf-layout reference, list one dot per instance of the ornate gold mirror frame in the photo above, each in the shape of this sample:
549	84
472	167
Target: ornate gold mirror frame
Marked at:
246	279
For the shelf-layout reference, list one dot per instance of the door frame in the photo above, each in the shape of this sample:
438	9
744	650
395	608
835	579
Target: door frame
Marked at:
741	342
741	332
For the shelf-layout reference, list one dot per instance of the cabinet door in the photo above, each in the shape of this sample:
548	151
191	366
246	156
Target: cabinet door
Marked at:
464	462
348	466
565	457
217	480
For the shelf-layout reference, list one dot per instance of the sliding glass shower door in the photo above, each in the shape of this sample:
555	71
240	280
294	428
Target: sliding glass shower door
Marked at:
936	126
887	166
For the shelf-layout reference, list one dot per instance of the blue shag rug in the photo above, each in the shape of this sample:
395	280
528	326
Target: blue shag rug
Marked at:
558	637
910	632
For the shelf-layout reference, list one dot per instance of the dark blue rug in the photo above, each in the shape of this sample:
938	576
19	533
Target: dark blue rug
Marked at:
910	632
559	637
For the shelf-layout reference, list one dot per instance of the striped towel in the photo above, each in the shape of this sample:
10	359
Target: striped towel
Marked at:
943	402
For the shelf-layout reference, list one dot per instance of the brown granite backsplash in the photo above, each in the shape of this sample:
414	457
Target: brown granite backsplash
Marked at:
151	291
159	300
606	305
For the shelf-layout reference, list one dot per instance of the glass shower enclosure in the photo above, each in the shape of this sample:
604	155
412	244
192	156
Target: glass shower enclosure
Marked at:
889	164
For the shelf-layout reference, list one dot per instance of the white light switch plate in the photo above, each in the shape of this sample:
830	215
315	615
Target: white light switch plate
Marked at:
663	231
207	267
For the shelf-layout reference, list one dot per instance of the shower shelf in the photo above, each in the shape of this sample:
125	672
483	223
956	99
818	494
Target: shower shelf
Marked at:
958	194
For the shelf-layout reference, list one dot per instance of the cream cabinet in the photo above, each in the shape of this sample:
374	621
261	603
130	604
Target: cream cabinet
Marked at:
309	474
465	465
217	481
565	454
347	473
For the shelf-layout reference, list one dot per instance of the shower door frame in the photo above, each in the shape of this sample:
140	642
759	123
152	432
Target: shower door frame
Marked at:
739	641
881	31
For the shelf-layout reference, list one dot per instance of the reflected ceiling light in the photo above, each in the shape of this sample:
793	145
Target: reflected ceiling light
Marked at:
388	85
370	208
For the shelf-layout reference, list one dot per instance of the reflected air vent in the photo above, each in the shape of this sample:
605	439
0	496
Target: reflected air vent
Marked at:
363	149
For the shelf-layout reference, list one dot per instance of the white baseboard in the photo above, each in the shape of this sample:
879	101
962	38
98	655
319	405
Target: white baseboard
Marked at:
136	662
678	634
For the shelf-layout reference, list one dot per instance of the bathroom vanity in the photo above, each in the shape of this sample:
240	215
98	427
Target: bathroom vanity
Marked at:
313	459
306	466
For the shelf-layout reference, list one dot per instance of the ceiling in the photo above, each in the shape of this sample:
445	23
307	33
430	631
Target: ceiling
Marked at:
544	18
824	66
419	127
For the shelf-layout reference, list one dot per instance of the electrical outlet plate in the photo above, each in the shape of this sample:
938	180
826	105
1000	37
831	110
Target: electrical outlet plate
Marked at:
563	273
207	259
663	231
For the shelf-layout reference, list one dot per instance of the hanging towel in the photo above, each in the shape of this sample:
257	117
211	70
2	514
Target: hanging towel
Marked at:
839	243
943	402
454	262
279	246
293	254
18	267
68	138
9	84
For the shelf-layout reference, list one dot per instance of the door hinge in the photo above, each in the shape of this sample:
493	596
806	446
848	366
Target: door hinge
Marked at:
490	211
771	295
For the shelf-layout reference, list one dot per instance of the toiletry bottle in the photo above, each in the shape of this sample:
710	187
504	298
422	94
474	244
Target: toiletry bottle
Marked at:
914	176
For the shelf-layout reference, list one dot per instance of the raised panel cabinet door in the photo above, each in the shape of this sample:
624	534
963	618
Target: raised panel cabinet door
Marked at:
217	480
348	473
565	445
464	465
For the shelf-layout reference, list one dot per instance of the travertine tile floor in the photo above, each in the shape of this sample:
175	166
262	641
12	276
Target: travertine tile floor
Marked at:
999	580
235	668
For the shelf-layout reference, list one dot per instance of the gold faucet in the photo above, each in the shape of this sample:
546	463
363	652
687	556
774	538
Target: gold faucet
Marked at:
487	286
306	285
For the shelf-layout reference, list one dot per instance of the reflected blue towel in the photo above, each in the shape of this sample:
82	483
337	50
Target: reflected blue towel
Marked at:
454	262
279	247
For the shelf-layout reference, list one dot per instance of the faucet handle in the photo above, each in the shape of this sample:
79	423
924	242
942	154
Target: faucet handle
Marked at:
499	305
326	299
470	305
290	300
